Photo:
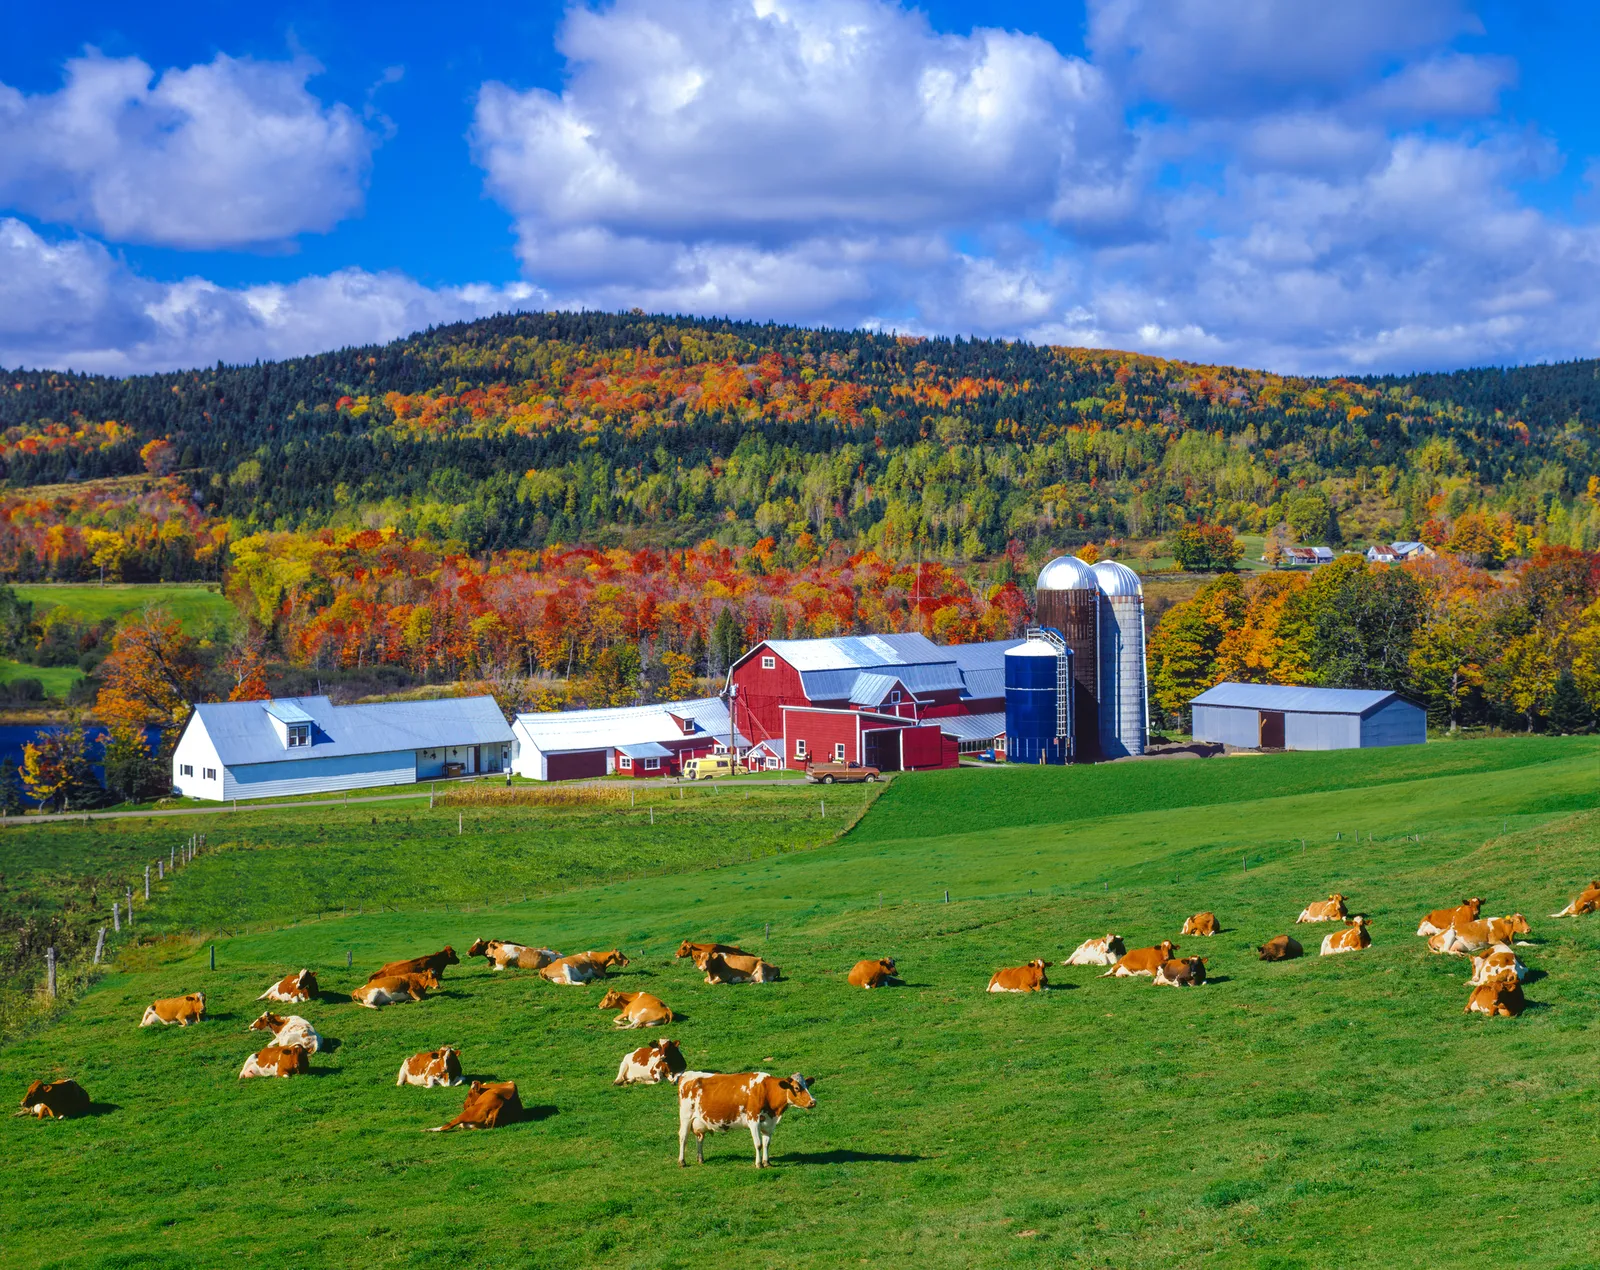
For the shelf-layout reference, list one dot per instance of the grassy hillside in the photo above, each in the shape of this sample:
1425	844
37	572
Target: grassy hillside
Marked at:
1326	1112
196	606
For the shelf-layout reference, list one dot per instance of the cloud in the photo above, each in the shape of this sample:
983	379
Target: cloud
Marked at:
226	154
71	304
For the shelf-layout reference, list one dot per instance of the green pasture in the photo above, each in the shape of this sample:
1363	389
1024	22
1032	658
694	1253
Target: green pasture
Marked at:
1325	1112
57	681
196	605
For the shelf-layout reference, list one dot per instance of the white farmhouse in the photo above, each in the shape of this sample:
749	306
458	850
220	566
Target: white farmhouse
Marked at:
308	745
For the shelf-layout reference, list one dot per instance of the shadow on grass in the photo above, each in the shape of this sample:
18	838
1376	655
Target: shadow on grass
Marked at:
541	1112
846	1157
1219	978
102	1108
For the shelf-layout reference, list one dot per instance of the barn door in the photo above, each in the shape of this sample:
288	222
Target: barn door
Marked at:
1271	729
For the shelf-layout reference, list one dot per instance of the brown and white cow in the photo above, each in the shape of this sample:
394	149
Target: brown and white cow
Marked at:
584	967
1180	972
394	990
1353	938
1142	961
184	1010
699	952
1028	978
502	955
742	968
877	973
277	1060
652	1064
710	1103
1201	924
54	1100
639	1009
1501	995
292	989
1483	933
1588	901
1442	919
1501	959
1105	951
488	1106
434	962
288	1029
1329	910
432	1067
1281	948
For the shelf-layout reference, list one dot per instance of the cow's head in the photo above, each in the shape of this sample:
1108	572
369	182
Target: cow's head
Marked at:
294	1058
36	1091
268	1022
797	1089
1039	963
448	955
886	964
428	978
450	1056
306	981
1166	948
199	998
1114	944
614	958
1474	906
671	1055
613	1000
686	949
480	948
1519	924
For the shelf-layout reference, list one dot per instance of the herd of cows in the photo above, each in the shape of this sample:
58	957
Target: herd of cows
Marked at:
712	1102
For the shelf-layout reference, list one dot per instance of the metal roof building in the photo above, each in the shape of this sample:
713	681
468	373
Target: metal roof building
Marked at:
1290	717
563	744
306	745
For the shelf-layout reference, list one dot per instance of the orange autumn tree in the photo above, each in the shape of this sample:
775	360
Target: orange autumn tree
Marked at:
152	677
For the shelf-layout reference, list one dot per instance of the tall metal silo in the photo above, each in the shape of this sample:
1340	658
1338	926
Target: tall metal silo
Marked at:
1067	598
1124	692
1038	722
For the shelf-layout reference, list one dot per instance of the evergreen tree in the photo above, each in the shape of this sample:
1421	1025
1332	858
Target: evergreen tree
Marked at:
1569	711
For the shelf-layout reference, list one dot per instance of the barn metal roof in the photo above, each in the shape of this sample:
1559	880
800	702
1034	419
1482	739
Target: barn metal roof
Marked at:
645	749
243	734
973	727
1292	698
871	689
863	652
558	732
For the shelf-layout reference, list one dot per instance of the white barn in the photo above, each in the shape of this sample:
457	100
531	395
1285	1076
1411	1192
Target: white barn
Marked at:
308	745
573	744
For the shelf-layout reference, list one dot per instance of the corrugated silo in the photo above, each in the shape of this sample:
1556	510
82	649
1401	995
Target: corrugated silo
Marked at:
1067	599
1035	681
1124	694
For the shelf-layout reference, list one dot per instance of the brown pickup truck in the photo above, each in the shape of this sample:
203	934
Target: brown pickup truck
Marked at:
843	773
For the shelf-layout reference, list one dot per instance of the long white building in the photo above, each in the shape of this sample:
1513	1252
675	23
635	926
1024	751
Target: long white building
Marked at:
308	745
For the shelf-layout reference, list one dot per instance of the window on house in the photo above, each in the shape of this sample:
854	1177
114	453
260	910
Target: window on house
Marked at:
211	773
769	663
688	726
719	748
187	769
625	763
838	752
299	735
652	765
894	696
799	747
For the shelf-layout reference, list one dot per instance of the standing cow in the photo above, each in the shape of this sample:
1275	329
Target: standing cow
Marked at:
710	1103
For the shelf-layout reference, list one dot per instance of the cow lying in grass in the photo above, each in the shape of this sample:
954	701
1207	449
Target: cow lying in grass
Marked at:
1501	995
1201	924
1442	919
277	1060
584	967
433	963
395	990
432	1067
1329	910
1483	933
1142	961
878	973
54	1100
184	1010
288	1029
639	1009
731	968
699	952
711	1103
1105	951
292	989
1587	902
1183	972
488	1106
1028	978
1281	948
1353	938
651	1064
502	955
1498	960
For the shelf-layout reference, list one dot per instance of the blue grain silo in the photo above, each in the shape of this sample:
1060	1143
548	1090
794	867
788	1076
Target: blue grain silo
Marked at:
1039	701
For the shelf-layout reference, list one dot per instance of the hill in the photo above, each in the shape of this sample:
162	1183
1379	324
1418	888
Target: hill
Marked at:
1310	1114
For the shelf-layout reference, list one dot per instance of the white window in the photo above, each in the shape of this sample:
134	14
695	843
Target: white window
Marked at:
838	752
652	765
211	773
299	735
689	726
719	748
625	763
799	747
769	663
187	769
894	696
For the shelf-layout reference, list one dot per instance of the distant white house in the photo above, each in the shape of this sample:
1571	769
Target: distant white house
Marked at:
642	741
308	745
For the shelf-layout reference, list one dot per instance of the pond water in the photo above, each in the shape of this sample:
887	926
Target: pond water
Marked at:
14	736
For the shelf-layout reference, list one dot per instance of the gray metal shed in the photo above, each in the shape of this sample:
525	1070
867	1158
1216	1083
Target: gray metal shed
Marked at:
1285	716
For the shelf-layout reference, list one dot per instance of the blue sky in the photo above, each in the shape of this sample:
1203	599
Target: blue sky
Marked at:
1377	185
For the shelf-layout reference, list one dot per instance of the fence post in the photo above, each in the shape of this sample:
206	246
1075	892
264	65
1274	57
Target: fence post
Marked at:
349	957
213	956
767	933
50	969
947	896
161	868
130	908
432	789
459	816
99	945
147	884
116	918
823	804
172	858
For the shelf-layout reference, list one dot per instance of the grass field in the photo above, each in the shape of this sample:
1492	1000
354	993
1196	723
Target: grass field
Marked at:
57	681
1326	1112
196	605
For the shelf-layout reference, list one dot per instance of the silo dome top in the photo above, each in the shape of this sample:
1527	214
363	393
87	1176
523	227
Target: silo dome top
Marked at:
1066	573
1117	579
1033	648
